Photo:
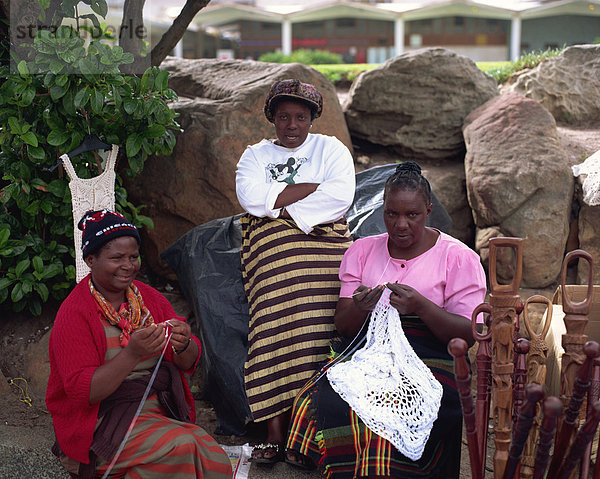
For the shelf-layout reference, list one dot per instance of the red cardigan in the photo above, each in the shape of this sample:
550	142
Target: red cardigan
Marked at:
77	347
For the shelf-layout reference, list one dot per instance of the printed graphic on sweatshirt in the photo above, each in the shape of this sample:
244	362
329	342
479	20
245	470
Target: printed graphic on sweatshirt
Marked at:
284	172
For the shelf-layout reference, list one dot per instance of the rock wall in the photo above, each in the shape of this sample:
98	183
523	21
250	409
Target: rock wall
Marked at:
494	160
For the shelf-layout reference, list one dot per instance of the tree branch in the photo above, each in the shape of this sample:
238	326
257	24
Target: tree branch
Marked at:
176	30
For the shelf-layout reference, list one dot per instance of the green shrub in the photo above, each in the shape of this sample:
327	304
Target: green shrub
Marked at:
61	92
304	56
345	73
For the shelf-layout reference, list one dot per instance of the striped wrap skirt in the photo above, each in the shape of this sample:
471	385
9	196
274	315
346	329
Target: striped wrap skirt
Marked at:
292	285
325	428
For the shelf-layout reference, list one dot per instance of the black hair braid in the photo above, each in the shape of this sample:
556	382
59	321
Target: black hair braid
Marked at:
408	177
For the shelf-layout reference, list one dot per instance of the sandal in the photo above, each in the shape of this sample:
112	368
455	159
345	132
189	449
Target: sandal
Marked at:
299	460
259	451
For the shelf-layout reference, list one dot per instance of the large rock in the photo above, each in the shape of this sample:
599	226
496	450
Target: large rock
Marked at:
589	240
519	183
417	102
221	111
447	179
568	85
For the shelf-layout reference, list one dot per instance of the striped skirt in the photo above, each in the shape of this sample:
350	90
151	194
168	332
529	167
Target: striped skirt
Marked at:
160	447
292	284
324	428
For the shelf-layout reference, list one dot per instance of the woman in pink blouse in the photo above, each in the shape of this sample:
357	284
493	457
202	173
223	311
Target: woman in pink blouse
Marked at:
435	283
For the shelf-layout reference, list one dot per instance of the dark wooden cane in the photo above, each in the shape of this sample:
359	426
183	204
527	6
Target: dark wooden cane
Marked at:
591	349
593	396
458	347
483	362
582	439
551	409
505	301
534	393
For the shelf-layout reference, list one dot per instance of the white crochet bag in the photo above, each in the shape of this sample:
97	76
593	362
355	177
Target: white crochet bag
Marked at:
386	384
591	184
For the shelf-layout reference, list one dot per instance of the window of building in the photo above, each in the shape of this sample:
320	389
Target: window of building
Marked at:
420	26
270	28
346	26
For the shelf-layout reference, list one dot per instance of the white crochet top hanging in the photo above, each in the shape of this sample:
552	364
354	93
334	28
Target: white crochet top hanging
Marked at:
388	386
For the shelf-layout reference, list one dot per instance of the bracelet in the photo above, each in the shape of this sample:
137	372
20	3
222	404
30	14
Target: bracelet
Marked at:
184	348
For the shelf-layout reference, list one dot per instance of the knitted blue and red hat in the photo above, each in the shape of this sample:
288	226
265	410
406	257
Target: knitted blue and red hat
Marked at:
101	226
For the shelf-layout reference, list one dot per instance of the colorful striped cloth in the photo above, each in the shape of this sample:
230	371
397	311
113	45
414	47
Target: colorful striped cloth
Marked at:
324	428
291	281
159	446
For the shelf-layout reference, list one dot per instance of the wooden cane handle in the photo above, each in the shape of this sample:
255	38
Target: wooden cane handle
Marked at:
482	308
576	307
517	245
538	299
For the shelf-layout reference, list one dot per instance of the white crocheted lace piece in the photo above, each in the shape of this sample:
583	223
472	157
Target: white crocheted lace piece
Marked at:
90	194
591	184
388	386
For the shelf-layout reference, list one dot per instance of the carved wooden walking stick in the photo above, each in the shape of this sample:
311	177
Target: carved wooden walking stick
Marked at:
582	439
591	350
519	381
504	300
551	409
536	373
525	416
483	362
575	322
457	347
593	396
520	375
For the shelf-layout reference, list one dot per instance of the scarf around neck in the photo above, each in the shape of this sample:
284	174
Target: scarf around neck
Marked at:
134	316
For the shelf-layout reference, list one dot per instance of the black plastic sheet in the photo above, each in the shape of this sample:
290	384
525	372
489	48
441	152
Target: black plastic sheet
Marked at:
206	261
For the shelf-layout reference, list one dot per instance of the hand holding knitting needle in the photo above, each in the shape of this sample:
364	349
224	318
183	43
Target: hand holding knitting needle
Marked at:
366	298
405	299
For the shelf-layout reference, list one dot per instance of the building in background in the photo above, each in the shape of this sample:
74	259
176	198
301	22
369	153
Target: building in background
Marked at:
373	31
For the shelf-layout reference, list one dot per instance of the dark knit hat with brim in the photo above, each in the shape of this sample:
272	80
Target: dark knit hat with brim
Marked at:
101	226
293	89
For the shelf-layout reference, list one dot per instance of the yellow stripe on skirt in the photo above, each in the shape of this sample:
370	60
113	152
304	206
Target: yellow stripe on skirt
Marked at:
292	284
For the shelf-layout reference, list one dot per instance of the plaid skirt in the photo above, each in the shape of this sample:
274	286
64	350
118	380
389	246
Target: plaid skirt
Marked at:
325	428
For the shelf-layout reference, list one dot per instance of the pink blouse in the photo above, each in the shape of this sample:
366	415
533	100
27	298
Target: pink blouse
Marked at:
449	274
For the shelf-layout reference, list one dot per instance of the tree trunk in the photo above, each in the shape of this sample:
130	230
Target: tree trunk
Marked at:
132	35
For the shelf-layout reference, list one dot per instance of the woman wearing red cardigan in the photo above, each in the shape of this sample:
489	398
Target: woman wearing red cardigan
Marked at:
108	337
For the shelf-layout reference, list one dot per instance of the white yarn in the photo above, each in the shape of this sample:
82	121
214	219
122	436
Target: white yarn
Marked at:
388	386
591	183
90	194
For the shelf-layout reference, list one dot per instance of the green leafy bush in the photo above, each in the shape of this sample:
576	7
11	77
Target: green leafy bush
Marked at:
344	74
63	91
304	56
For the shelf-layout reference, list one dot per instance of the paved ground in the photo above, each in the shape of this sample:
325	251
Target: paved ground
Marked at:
25	454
